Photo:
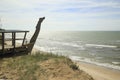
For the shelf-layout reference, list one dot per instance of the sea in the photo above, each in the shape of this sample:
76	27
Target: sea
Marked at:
96	47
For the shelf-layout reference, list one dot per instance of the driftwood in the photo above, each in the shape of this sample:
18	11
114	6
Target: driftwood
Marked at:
25	48
34	37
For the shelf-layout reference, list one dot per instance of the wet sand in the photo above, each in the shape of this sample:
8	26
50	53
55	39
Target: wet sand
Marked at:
98	72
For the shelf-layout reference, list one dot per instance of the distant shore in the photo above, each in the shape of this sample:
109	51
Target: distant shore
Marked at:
99	72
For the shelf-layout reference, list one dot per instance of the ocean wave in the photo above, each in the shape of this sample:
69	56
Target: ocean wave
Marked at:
108	65
100	46
46	49
118	41
76	58
116	63
71	44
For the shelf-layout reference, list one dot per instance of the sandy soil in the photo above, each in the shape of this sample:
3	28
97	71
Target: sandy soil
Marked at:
98	72
33	68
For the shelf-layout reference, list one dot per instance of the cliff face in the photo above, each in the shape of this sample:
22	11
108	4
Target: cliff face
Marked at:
41	67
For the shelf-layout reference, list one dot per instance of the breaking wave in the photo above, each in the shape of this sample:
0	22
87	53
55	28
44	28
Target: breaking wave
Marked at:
100	46
76	58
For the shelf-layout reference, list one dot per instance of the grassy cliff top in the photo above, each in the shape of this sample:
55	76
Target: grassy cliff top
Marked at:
40	67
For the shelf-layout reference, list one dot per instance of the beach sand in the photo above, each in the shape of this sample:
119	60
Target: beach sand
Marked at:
98	72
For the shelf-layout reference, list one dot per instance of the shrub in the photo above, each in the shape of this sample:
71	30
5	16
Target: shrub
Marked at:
74	67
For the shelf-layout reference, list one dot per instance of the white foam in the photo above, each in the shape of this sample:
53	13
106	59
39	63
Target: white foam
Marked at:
69	44
76	58
72	44
42	48
118	41
116	63
100	46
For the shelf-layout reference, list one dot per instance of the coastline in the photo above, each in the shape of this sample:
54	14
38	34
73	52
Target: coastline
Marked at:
96	71
99	72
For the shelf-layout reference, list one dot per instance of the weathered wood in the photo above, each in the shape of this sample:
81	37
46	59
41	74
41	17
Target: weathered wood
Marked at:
3	36
11	31
4	48
34	37
14	42
25	48
24	38
10	39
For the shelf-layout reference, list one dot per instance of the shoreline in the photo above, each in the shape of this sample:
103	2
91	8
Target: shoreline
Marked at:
99	65
99	72
96	71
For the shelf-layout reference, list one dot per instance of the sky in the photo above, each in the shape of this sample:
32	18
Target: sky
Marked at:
70	15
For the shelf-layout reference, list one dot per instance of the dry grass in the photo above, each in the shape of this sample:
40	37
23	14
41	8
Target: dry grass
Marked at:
40	67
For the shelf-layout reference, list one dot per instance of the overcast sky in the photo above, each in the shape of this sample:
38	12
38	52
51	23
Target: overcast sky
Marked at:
61	14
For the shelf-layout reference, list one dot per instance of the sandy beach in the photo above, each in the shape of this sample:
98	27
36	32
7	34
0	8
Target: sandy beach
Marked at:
98	72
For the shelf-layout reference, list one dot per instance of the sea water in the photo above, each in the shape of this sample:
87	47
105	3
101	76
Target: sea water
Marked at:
97	47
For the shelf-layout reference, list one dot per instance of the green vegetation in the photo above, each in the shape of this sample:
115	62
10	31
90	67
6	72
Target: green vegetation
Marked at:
41	66
74	67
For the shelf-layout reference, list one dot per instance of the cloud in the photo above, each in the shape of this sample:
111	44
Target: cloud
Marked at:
60	13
